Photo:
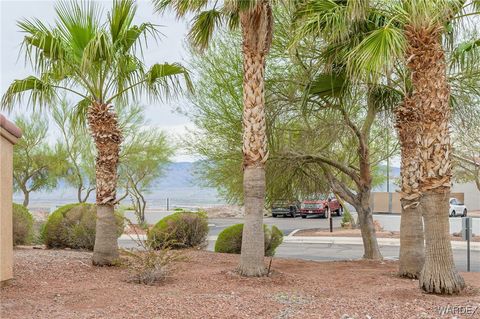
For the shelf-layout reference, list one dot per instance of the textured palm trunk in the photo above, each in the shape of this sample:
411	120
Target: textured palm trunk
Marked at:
412	246
256	30
431	94
107	138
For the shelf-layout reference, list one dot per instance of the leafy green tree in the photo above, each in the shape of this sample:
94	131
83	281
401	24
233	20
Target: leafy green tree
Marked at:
307	132
77	144
256	22
98	61
36	165
144	156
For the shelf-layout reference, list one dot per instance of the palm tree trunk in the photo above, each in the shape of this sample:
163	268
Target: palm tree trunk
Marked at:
412	247
256	30
412	250
431	94
107	137
438	274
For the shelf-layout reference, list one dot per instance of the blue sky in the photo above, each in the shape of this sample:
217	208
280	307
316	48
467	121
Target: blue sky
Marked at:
169	49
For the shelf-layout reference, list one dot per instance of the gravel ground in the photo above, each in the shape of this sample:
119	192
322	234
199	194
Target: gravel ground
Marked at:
63	284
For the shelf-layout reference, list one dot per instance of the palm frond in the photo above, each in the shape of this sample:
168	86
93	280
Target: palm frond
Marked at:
167	78
203	26
377	52
39	92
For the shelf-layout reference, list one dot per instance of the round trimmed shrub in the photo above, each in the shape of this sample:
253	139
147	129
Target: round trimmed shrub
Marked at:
73	226
22	225
179	230
230	239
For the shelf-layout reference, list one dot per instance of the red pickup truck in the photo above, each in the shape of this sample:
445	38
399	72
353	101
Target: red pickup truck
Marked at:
320	207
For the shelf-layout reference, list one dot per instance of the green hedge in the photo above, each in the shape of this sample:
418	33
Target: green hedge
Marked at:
179	230
22	225
230	239
73	226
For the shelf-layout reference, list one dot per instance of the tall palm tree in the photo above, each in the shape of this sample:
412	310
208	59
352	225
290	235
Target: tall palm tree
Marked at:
95	61
412	31
255	19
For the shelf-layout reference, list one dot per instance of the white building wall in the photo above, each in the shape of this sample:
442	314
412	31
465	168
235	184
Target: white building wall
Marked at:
471	193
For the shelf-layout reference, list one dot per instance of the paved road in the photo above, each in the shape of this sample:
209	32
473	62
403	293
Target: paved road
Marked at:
319	252
330	252
285	224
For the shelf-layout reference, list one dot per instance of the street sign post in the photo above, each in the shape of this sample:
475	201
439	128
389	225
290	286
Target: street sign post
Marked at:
466	235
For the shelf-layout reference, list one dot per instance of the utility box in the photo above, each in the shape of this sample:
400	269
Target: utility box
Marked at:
9	135
466	228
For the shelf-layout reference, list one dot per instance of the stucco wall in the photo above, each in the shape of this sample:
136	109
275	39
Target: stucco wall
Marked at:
9	134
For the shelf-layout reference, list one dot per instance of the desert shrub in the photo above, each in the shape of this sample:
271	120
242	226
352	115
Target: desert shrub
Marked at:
347	219
22	225
230	239
150	266
73	226
179	230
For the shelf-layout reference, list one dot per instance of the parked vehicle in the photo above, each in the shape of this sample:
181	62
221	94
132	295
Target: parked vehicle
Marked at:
285	208
320	207
457	208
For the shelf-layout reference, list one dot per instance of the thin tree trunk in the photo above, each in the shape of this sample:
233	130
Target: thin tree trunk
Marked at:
431	94
369	237
257	32
438	274
26	198
107	137
79	194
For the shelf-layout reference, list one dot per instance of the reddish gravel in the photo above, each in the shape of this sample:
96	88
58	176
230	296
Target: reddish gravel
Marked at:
63	284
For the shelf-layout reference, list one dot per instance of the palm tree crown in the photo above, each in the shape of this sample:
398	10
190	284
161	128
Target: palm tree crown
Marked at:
97	62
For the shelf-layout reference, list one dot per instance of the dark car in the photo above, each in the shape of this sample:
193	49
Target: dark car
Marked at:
285	208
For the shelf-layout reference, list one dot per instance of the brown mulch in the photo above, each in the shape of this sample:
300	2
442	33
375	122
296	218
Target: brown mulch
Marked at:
340	232
63	284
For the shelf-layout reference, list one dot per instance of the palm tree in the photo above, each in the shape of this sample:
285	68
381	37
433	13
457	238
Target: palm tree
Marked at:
411	32
97	63
255	19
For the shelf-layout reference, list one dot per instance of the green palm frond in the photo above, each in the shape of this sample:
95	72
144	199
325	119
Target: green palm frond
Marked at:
203	26
377	53
39	92
78	23
167	77
181	7
96	60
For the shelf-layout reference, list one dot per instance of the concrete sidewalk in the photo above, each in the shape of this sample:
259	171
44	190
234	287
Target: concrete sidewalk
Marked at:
474	246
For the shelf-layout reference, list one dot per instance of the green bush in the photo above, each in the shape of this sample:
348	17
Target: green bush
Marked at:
179	230
73	226
230	240
347	219
22	225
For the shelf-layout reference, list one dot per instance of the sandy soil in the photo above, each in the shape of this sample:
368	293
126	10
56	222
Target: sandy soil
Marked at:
63	284
340	232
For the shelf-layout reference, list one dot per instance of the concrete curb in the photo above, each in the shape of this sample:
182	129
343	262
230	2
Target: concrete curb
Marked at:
474	246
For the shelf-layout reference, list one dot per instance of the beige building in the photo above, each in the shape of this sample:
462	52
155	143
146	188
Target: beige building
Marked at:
9	134
383	202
